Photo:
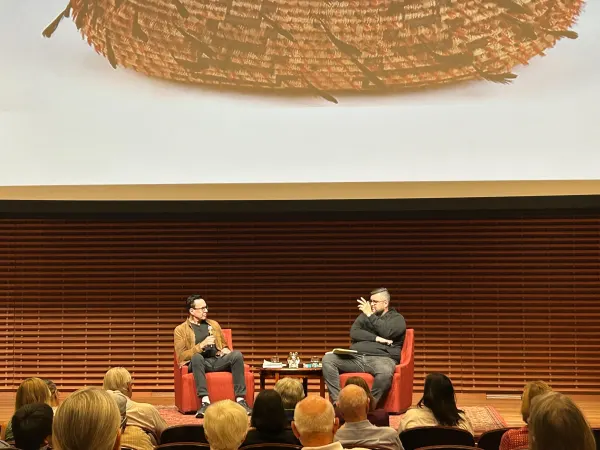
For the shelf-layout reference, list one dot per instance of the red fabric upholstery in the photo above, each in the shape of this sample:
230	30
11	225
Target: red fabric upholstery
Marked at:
399	397
220	384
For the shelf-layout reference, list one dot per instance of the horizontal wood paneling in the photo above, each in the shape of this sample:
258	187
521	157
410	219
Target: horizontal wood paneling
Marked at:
494	302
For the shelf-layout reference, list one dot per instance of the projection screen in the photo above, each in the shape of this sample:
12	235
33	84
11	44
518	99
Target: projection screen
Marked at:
279	99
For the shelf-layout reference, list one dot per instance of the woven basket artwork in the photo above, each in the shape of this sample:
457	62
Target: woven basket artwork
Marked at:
323	46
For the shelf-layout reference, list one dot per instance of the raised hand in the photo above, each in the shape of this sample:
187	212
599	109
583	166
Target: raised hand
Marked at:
364	306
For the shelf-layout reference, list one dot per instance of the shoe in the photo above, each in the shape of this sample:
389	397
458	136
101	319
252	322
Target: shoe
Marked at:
246	407
202	410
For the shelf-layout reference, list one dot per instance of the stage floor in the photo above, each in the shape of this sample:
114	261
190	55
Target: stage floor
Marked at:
508	408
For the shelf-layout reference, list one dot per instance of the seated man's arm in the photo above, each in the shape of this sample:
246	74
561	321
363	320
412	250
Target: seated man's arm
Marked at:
358	333
388	329
181	350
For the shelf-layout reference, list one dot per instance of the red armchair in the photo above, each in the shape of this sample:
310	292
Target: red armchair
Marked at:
220	384
399	397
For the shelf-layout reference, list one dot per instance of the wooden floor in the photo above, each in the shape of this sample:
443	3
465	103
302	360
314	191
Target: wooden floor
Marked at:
508	408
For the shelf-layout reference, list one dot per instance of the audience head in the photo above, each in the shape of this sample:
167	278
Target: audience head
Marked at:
380	300
557	423
353	403
225	425
54	393
532	390
314	422
32	426
118	379
358	381
290	390
268	414
32	390
88	419
121	401
439	397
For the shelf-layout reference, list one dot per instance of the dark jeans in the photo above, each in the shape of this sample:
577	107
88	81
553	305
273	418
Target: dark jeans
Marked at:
232	362
381	367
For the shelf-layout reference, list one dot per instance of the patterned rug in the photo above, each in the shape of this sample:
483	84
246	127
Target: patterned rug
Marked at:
483	418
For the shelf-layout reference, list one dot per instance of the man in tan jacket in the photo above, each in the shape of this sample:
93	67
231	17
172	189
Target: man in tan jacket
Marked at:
200	343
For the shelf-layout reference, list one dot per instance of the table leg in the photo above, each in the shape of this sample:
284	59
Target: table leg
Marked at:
322	387
262	381
305	385
276	377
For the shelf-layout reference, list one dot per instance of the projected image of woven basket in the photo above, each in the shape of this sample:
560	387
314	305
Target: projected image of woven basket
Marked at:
320	45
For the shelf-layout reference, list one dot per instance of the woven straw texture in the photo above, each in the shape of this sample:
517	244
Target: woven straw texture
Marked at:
320	45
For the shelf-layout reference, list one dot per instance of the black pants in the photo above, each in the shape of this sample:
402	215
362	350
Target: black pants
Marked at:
232	362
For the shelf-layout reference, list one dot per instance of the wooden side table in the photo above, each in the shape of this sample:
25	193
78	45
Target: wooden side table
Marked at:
304	373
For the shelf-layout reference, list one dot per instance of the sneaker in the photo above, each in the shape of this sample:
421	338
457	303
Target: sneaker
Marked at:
246	407
202	410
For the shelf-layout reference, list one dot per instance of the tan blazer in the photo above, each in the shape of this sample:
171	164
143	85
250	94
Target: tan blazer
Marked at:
185	340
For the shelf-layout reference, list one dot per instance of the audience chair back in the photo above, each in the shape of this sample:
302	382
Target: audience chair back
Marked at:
183	433
415	438
271	446
448	447
490	440
596	432
183	446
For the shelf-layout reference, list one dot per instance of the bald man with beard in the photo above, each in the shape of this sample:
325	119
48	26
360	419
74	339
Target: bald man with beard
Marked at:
353	403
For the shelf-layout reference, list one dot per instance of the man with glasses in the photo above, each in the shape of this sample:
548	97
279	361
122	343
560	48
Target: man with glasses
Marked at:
200	343
377	335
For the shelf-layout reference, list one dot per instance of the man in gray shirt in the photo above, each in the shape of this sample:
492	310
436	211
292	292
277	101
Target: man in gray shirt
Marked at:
353	403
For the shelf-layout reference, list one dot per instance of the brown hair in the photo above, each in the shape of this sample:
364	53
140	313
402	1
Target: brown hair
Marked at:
32	390
557	423
532	390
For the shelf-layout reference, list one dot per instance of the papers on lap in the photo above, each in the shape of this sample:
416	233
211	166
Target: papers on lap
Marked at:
343	351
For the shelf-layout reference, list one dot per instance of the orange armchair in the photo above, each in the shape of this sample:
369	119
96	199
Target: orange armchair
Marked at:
399	397
220	384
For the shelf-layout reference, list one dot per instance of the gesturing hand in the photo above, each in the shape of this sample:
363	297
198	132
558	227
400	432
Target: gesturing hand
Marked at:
384	341
364	306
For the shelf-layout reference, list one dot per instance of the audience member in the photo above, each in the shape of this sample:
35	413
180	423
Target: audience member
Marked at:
225	425
142	415
437	407
556	423
88	419
378	417
518	438
31	390
315	424
291	391
54	394
32	426
131	436
353	403
269	422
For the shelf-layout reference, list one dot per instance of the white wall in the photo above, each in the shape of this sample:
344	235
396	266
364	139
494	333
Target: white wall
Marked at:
66	117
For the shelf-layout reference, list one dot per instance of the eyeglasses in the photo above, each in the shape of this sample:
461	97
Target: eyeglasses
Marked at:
376	301
203	308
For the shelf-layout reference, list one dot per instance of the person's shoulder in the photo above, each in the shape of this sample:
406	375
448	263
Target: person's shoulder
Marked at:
181	326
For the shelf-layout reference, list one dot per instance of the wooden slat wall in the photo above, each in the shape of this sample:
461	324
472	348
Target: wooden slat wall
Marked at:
494	302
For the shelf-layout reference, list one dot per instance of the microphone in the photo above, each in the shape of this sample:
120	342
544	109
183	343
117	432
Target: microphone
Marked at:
210	333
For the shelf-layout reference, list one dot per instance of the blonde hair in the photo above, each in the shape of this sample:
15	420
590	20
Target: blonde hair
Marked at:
32	390
225	425
290	390
117	379
532	390
557	423
89	419
314	415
